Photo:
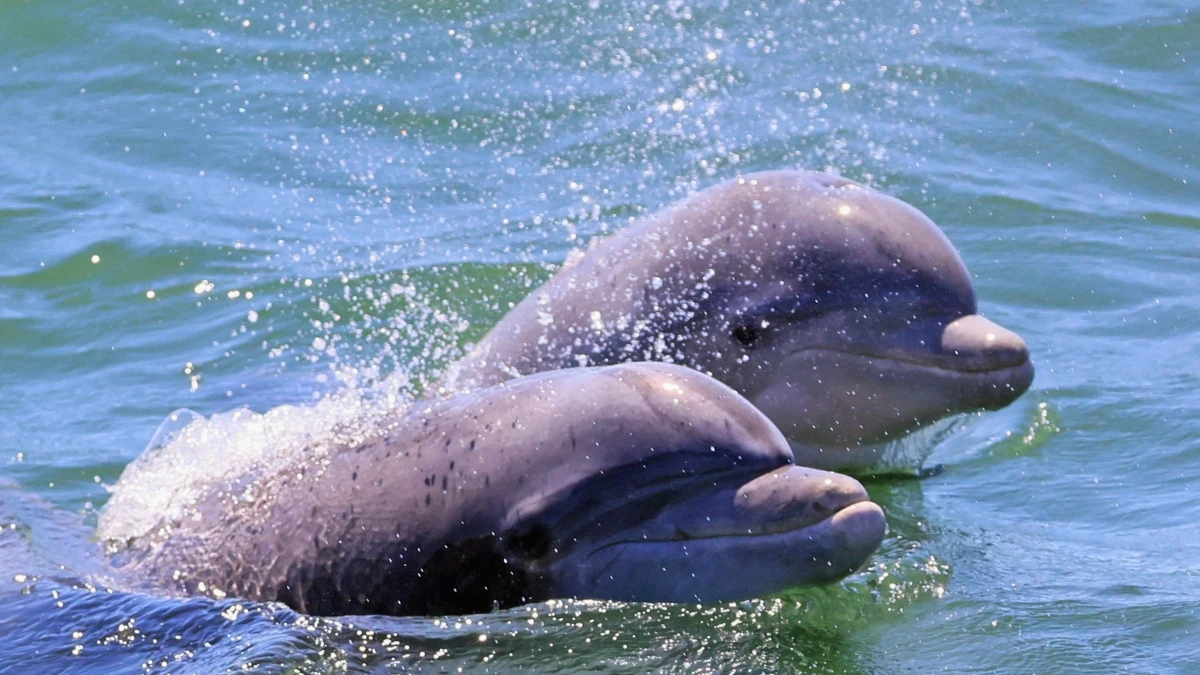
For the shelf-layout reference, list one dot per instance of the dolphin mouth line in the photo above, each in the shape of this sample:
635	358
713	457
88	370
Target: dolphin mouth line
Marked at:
780	537
967	369
770	529
687	486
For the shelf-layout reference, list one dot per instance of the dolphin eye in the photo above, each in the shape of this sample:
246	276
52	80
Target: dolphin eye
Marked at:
531	543
746	334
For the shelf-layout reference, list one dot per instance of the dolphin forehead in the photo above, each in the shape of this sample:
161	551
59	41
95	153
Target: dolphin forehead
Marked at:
797	228
835	213
629	426
633	411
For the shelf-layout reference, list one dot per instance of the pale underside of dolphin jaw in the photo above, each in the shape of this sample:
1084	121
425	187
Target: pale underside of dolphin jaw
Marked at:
846	410
904	455
732	566
790	527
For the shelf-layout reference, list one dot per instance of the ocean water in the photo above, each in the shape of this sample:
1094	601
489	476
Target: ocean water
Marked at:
242	204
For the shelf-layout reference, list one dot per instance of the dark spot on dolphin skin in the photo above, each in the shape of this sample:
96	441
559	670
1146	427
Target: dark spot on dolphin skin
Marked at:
428	497
354	476
443	482
473	443
487	481
472	577
747	335
451	465
530	542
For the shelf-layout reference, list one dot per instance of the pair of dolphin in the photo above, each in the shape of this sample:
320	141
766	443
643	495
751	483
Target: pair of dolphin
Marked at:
837	319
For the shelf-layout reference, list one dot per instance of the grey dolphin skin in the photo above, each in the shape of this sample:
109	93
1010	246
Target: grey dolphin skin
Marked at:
843	314
638	482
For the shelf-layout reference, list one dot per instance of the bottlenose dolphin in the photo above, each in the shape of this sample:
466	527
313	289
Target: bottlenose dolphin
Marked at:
638	482
842	313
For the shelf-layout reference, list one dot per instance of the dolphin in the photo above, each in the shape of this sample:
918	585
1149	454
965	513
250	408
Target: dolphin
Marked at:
842	313
634	482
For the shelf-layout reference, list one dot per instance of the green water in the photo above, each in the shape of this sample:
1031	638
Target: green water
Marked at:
217	204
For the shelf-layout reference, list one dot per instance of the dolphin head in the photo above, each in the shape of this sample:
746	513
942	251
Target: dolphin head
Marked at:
844	315
681	491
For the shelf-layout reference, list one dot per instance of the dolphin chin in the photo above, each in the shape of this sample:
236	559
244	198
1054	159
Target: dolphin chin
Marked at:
850	407
799	526
828	551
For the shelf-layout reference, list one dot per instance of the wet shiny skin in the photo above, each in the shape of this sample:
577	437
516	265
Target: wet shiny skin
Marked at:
505	496
844	314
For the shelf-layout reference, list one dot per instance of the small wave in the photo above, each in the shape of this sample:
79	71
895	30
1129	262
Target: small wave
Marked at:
908	454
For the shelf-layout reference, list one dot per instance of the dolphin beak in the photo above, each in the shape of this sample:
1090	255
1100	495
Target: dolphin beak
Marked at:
832	509
984	344
794	497
979	345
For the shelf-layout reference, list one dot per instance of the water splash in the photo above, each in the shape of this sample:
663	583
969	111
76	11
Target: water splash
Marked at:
1044	423
907	455
189	454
